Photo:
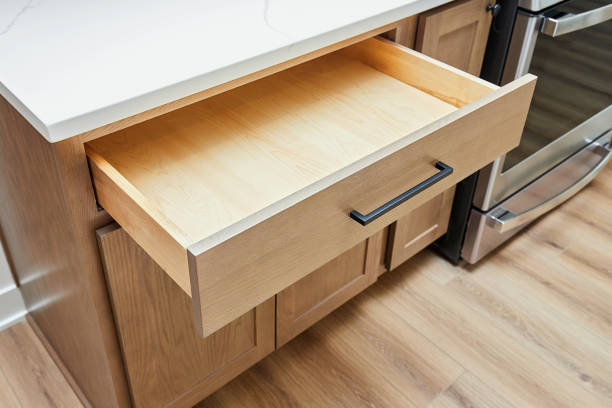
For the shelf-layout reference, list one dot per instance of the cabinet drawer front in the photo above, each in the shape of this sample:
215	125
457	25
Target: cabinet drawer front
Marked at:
420	228
243	194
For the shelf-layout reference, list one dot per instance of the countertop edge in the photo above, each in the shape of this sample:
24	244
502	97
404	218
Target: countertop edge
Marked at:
55	132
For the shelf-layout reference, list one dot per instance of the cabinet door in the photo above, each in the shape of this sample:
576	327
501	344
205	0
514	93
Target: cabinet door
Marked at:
420	228
456	33
316	295
168	364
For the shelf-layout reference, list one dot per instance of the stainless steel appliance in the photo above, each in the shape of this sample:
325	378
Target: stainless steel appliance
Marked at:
566	141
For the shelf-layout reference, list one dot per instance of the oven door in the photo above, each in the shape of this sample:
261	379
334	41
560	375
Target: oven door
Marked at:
569	48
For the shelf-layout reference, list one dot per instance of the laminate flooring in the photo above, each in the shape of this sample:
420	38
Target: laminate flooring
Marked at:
530	326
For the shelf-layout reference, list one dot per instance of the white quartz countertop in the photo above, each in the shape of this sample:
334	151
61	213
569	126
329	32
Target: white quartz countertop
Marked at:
70	66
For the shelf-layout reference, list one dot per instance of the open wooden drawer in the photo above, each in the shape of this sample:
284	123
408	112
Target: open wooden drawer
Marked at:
241	195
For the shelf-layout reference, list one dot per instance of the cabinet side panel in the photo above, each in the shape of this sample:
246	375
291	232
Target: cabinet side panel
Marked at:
47	213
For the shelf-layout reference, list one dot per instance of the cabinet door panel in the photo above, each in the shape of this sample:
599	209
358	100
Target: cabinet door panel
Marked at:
420	228
456	34
314	296
167	362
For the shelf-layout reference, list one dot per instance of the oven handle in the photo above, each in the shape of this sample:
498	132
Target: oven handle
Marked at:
574	22
505	220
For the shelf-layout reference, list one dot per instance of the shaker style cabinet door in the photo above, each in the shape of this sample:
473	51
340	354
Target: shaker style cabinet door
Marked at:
456	33
167	363
420	228
316	295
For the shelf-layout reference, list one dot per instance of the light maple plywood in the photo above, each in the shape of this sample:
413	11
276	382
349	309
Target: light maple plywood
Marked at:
286	158
436	78
232	155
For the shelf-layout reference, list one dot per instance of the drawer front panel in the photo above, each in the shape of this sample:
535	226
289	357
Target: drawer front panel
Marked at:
420	228
286	247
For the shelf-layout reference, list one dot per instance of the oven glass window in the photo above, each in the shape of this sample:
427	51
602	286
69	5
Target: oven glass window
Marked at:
574	81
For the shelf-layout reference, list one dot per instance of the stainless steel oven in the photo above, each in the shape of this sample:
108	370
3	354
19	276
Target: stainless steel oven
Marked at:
566	140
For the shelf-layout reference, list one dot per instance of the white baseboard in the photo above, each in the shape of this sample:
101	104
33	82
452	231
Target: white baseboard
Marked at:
12	309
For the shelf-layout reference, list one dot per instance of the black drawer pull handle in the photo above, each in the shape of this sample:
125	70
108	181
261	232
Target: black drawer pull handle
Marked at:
445	170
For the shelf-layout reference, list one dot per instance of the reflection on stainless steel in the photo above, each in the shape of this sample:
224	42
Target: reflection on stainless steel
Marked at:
494	184
573	22
512	213
484	232
568	45
572	99
574	84
536	5
520	51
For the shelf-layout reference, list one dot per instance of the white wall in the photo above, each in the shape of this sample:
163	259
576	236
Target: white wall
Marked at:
6	279
12	308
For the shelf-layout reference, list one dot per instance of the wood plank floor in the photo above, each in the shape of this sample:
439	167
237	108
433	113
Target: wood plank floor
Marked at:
28	375
531	326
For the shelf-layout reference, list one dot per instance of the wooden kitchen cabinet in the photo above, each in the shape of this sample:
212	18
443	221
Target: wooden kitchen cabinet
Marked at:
456	33
234	220
425	224
316	295
229	196
167	363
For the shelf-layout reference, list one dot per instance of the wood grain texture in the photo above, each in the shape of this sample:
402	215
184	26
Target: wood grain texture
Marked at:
66	374
291	129
468	391
296	249
528	327
405	32
359	356
167	184
207	93
313	297
456	33
413	232
28	376
210	158
436	78
168	364
47	213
